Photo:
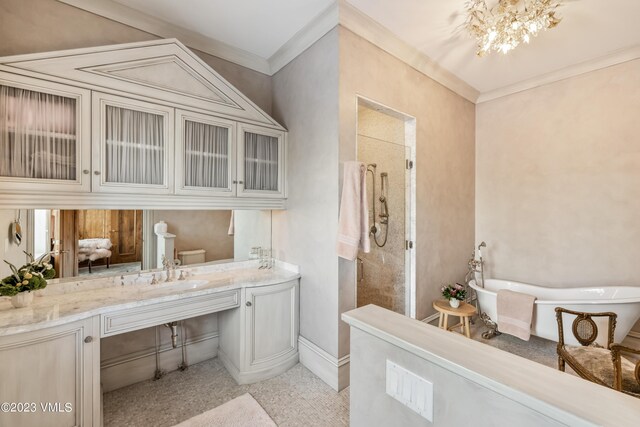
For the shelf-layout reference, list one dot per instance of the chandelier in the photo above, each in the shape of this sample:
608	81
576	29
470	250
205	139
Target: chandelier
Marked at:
510	22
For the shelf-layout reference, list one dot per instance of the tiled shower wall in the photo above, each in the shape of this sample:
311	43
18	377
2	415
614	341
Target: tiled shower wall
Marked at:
381	274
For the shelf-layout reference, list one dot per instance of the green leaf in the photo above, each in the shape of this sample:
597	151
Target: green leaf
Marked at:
29	256
14	270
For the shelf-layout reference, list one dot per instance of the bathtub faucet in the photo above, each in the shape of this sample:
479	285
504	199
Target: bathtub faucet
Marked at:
476	265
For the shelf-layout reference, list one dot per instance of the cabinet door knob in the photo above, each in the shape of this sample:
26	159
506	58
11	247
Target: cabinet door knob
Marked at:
96	172
88	339
235	182
240	182
85	171
248	304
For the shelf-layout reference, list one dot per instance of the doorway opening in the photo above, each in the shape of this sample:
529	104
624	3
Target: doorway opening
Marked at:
386	145
88	242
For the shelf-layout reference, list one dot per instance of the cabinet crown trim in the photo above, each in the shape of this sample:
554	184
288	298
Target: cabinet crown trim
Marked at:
163	70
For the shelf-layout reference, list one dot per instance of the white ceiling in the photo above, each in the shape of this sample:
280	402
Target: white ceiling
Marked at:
590	30
256	26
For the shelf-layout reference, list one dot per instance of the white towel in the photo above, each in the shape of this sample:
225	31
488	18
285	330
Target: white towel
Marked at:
353	225
515	312
232	226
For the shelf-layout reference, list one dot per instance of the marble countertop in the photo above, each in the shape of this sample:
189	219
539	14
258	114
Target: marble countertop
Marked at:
62	303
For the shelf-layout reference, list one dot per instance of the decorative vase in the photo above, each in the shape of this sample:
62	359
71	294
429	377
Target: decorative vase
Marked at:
454	302
23	299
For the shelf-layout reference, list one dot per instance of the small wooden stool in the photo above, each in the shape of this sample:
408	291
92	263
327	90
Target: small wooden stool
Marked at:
464	312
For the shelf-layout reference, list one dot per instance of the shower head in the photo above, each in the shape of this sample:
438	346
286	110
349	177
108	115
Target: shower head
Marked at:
482	245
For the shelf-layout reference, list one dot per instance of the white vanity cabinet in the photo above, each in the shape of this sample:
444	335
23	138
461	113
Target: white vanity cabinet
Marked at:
132	145
66	361
261	161
267	322
145	124
44	135
205	155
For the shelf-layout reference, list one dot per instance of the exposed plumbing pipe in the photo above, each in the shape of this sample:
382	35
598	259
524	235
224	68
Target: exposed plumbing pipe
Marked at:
183	337
174	333
159	372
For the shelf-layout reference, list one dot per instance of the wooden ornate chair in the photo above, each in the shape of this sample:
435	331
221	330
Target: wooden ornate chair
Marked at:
601	365
627	379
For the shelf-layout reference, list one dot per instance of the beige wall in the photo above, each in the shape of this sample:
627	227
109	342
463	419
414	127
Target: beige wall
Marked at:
558	184
206	230
28	26
445	136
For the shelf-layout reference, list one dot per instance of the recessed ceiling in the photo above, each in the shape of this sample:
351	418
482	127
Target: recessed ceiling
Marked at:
590	29
256	26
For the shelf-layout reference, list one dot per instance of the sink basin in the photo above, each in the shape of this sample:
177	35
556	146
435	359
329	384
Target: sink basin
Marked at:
168	287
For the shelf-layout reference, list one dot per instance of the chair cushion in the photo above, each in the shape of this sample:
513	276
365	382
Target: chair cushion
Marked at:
598	362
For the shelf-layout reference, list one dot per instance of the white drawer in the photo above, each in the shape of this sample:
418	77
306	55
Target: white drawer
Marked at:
132	319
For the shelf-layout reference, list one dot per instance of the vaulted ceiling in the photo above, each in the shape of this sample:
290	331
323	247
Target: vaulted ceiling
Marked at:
256	26
594	32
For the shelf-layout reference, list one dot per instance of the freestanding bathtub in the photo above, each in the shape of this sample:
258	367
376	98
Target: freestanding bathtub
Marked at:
622	300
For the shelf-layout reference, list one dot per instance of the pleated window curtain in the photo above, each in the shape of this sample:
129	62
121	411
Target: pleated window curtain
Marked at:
206	159
37	135
261	162
135	146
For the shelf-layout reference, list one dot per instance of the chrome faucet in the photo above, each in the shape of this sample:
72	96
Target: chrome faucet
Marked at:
168	265
476	265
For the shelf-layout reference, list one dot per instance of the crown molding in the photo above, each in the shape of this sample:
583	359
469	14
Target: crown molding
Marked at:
136	19
340	12
617	57
374	32
305	38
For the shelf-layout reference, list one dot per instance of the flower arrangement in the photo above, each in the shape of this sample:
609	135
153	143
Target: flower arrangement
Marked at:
30	277
456	291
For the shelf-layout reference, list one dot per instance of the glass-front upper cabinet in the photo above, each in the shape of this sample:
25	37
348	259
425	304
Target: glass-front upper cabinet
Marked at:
205	155
44	135
132	145
261	160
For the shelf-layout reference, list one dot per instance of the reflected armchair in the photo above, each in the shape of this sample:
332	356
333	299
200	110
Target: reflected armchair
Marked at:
604	366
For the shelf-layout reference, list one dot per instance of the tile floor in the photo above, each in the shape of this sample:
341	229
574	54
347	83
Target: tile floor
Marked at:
115	269
295	398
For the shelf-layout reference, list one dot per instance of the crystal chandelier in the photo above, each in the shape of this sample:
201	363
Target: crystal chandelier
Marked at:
509	23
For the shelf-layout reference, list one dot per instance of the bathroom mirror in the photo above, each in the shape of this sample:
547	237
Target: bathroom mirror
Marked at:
99	243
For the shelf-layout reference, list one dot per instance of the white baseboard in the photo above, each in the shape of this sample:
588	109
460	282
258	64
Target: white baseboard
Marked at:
331	370
431	318
140	366
634	335
260	374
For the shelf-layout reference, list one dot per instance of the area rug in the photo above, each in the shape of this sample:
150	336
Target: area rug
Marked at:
242	411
